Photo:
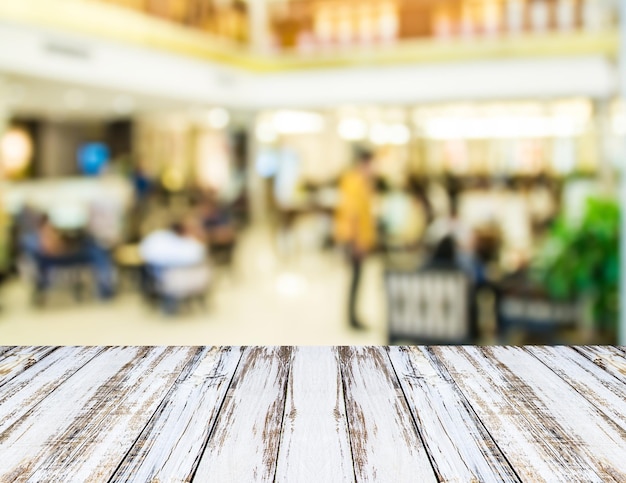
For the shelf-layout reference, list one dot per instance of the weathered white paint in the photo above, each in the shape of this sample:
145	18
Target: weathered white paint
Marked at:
244	445
5	348
385	442
168	414
171	444
314	445
20	358
592	382
610	359
28	389
459	446
28	441
98	438
547	430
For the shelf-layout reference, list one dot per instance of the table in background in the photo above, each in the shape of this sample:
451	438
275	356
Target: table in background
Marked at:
312	414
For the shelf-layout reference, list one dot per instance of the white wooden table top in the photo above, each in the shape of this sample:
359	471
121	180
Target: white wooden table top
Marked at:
318	414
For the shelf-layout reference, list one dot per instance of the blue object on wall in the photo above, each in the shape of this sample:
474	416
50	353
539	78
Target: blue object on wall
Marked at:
92	158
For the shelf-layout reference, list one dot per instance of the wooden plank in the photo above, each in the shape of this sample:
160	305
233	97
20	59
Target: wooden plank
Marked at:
4	349
315	445
28	389
19	359
385	443
547	431
52	425
244	444
592	382
170	446
459	446
96	441
608	358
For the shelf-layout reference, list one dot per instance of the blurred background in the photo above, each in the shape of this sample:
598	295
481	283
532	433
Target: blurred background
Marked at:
310	171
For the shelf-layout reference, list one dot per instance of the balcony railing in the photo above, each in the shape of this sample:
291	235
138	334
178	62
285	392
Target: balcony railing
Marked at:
321	24
299	34
227	19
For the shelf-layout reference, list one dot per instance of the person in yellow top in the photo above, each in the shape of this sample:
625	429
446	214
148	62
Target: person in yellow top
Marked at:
355	224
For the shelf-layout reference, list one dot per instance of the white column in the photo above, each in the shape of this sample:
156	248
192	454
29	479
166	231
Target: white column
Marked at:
258	25
4	104
622	72
606	170
4	113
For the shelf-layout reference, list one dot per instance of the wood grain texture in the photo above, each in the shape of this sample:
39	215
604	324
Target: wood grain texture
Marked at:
18	359
611	359
314	445
170	446
5	348
244	444
592	382
459	446
25	391
174	414
545	428
385	443
99	438
52	424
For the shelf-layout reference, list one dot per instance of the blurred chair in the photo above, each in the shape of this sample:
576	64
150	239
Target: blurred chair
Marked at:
533	317
130	265
174	287
65	271
429	307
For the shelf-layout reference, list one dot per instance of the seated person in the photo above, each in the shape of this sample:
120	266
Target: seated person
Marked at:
444	256
178	263
217	222
174	247
50	249
219	228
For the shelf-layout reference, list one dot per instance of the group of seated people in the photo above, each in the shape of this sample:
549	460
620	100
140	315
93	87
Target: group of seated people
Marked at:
49	248
175	259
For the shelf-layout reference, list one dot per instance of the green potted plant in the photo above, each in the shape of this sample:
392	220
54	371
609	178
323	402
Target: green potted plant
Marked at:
580	261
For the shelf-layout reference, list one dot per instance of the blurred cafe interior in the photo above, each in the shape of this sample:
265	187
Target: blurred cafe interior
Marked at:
311	171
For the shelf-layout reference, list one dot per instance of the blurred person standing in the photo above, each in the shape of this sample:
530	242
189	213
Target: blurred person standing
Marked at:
355	224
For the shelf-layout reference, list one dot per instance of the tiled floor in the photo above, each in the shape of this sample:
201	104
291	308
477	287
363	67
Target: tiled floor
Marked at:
268	300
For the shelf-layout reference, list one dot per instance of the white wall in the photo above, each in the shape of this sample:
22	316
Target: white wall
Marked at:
592	76
26	50
108	64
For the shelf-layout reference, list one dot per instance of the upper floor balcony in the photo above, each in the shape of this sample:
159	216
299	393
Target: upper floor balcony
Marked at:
275	35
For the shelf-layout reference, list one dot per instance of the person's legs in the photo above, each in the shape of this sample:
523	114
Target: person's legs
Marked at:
356	265
102	266
42	277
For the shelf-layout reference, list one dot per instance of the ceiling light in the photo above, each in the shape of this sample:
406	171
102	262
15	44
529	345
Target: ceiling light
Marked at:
398	134
353	129
297	122
511	127
16	150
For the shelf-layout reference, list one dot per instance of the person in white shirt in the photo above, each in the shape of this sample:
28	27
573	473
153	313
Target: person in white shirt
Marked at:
172	248
178	262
